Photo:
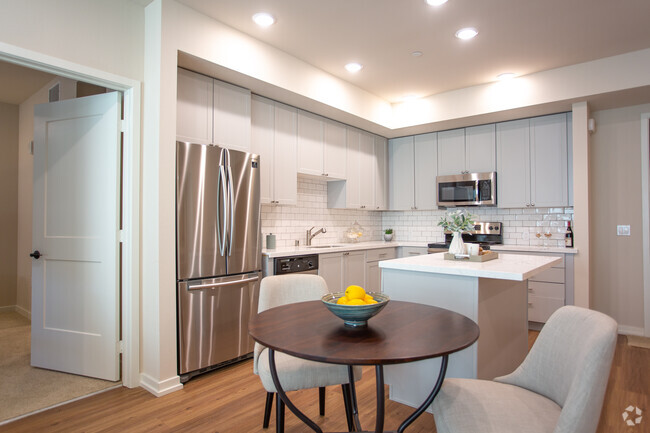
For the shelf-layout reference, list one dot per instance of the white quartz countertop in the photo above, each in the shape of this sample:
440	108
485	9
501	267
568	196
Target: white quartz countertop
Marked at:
338	248
533	249
516	267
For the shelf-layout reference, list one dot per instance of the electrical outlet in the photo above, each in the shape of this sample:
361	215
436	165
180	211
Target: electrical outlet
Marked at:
622	230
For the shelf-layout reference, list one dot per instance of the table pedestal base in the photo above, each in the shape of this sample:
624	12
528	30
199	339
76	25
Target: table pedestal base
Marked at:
350	398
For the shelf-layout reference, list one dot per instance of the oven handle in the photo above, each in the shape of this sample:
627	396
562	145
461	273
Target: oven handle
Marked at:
226	283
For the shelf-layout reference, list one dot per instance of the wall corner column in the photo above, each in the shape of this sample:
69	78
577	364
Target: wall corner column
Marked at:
581	203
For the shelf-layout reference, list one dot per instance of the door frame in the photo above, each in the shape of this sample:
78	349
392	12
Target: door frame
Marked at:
645	212
130	233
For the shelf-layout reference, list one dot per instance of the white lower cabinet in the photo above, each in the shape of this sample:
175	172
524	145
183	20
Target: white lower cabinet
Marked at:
342	269
373	272
411	251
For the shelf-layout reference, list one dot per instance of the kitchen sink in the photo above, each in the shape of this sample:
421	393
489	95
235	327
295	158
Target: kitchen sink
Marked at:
322	246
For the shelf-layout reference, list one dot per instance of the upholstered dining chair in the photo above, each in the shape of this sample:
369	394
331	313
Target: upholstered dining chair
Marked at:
296	373
559	387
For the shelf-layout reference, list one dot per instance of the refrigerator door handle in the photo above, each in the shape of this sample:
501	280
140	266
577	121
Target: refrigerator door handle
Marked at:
221	228
231	198
226	283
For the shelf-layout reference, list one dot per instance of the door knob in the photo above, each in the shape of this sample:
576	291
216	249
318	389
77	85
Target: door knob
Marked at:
36	254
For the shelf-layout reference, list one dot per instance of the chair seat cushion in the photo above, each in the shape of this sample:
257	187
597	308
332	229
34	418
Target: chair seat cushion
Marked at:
296	373
470	406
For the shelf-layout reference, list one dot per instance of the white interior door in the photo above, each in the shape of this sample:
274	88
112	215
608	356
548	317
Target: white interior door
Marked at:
75	284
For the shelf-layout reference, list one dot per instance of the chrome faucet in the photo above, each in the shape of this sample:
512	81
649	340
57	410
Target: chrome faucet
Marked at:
312	236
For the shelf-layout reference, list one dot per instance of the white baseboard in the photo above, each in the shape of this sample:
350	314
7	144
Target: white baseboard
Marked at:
631	330
160	388
20	310
17	309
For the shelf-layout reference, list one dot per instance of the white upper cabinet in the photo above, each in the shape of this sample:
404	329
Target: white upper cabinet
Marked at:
194	107
366	171
467	150
480	149
532	166
381	173
451	152
310	144
412	172
426	155
212	112
232	116
352	184
274	138
401	168
548	161
334	151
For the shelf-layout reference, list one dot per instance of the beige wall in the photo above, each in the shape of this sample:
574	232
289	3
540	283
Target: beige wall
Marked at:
616	270
9	202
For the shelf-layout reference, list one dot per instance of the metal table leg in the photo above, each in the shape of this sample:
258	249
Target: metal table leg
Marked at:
283	395
429	400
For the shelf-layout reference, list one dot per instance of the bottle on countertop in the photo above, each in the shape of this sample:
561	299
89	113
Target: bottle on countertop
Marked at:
568	236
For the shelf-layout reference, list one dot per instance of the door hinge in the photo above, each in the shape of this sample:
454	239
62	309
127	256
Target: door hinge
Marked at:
120	346
121	235
122	125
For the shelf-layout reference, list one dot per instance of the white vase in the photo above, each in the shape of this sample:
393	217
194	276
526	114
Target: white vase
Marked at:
388	237
457	245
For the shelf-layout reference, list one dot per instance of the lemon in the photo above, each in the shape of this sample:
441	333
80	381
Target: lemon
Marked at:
368	298
372	301
342	300
356	302
355	292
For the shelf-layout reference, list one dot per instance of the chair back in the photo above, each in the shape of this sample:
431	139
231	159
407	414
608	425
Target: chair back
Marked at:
570	364
280	290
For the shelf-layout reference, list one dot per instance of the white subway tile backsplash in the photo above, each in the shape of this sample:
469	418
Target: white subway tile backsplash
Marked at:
291	222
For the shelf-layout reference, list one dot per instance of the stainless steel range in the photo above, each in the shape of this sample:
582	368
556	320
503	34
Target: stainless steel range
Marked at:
485	234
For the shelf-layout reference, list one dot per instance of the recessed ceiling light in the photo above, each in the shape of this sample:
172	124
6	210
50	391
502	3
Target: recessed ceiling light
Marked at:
353	67
263	19
408	98
435	2
416	53
505	76
466	33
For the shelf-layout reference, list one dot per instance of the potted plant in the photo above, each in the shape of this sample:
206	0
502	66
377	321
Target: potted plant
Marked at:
457	221
388	235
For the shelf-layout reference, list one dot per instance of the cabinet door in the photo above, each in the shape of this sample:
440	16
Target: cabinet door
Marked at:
451	152
310	144
401	173
194	107
232	116
513	179
334	150
548	161
366	171
426	161
373	277
285	177
354	269
330	267
262	137
352	183
381	173
480	148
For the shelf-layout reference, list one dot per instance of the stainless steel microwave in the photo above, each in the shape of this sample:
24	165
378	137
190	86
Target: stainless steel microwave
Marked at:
470	189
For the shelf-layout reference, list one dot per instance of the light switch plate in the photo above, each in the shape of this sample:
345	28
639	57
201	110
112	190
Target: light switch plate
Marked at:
622	230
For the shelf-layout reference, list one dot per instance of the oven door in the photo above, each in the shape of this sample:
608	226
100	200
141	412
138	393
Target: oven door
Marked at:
472	189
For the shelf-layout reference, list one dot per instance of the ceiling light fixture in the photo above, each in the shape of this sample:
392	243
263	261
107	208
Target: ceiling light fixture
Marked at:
466	33
353	67
263	19
505	76
416	53
435	2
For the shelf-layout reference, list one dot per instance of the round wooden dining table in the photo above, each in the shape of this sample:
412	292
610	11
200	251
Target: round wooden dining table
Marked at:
401	332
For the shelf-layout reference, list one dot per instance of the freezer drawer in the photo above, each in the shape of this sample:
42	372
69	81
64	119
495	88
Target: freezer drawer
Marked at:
213	317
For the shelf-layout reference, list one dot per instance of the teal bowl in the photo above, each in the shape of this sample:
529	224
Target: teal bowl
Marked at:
355	316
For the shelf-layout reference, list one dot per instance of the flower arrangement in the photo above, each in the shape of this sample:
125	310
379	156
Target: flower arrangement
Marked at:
457	221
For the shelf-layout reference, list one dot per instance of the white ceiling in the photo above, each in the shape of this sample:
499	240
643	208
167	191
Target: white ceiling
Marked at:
520	36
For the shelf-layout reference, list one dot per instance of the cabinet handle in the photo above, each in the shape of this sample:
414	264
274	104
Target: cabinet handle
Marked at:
530	290
530	304
346	254
532	204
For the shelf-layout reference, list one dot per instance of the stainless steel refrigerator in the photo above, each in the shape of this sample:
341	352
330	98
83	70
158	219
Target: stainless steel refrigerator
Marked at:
218	254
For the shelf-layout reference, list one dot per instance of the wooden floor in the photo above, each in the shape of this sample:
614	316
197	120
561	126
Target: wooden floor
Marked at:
232	400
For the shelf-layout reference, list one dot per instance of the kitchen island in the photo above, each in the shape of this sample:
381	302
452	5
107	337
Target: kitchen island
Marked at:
493	294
